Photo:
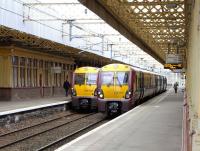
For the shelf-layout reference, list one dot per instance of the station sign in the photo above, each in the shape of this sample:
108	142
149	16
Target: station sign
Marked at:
173	66
174	59
179	70
56	70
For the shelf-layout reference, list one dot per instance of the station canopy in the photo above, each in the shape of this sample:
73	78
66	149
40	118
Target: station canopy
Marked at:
129	31
157	26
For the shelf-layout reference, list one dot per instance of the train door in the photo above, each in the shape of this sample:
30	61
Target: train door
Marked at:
160	82
154	84
157	84
133	84
141	82
137	90
142	86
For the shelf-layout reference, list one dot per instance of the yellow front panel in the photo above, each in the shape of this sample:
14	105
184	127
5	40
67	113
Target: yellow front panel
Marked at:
86	88
89	90
108	91
80	90
114	91
120	91
115	81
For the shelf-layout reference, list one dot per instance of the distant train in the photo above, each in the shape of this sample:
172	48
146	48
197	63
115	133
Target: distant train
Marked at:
120	87
84	84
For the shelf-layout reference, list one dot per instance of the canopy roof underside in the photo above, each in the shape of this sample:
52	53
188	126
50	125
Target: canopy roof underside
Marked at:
157	26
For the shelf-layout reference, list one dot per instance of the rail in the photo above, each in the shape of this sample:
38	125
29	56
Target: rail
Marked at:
68	136
43	131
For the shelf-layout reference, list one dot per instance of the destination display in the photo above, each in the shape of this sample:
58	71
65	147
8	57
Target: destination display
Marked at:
173	66
174	59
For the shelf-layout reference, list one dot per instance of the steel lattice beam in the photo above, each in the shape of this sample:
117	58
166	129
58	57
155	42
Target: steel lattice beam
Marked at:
149	22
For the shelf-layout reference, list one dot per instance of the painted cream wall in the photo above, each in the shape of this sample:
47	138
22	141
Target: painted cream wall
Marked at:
6	64
193	75
5	68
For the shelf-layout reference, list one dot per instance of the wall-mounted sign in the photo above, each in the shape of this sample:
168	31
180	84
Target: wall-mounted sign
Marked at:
174	59
179	70
56	70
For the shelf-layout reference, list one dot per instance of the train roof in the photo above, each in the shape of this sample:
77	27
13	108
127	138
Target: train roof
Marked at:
146	71
86	69
128	67
116	67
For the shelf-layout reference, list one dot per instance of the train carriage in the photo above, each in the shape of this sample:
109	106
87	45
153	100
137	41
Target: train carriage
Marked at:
84	95
120	87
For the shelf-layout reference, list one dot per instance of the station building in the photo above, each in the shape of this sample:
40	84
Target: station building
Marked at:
27	74
30	71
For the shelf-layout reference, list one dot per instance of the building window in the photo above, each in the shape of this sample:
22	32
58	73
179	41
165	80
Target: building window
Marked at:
60	76
29	72
26	72
15	63
46	74
41	64
35	71
71	67
22	72
68	66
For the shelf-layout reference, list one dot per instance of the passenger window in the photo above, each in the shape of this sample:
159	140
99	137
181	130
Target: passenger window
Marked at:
107	78
121	78
91	79
80	78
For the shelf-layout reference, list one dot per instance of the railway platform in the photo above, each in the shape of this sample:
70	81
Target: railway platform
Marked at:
14	107
154	126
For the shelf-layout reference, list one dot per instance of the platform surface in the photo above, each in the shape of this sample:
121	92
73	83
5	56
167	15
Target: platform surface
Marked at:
153	126
7	107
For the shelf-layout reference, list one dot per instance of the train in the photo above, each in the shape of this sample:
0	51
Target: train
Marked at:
120	87
84	92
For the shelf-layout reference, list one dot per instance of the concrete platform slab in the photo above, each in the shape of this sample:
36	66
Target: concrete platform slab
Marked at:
10	107
153	126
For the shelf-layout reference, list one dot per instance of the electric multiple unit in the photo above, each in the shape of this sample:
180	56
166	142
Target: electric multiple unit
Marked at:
121	87
115	88
84	95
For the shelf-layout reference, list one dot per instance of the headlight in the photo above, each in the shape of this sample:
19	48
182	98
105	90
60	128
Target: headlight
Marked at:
128	94
100	94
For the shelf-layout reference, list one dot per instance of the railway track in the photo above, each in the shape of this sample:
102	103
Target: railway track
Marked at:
34	125
18	138
57	143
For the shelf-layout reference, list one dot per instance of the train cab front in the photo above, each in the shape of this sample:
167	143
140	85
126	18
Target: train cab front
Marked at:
114	93
84	101
113	105
84	94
